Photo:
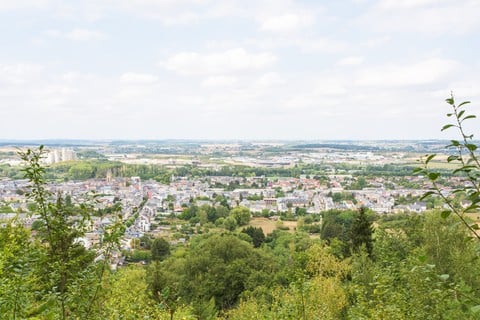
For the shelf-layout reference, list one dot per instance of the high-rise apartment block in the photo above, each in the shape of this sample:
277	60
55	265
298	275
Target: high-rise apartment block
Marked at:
59	155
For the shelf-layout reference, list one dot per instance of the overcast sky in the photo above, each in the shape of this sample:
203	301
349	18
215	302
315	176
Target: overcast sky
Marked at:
235	69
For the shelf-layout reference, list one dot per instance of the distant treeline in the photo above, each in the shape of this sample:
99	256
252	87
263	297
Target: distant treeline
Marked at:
100	169
345	147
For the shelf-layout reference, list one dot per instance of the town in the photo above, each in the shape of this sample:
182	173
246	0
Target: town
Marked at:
344	179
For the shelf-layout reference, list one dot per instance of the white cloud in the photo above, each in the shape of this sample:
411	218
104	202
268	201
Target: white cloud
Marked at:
305	44
270	79
409	4
79	34
7	5
168	12
218	81
287	22
234	60
350	61
19	73
138	78
376	41
325	45
396	75
428	17
184	18
53	33
314	95
330	89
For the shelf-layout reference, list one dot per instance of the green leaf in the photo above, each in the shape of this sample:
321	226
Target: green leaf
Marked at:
445	127
449	114
450	101
475	309
469	117
460	114
455	143
471	146
475	226
474	197
471	208
433	176
429	157
453	158
418	170
426	194
464	169
445	214
463	103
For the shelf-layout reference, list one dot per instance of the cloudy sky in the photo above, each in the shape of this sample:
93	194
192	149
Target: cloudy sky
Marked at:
235	69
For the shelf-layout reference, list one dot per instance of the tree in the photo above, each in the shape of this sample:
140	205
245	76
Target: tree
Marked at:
230	223
163	284
241	214
160	249
17	273
222	267
316	291
145	242
257	235
70	279
126	301
361	232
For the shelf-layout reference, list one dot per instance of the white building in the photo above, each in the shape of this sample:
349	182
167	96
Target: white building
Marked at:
59	155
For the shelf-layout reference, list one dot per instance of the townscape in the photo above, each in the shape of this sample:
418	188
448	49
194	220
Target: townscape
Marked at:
326	179
239	160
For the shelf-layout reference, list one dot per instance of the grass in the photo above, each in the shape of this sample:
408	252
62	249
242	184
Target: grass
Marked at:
268	226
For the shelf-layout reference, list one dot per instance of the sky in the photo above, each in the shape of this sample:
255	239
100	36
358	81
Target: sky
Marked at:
235	69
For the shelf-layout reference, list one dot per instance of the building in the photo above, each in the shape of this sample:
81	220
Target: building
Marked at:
60	155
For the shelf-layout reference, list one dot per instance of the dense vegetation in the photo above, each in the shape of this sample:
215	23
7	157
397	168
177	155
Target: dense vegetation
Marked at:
425	267
100	168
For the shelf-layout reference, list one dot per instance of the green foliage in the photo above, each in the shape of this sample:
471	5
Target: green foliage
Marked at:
451	250
57	268
343	196
361	232
465	157
218	267
242	215
422	269
160	249
256	234
138	255
164	284
230	223
205	213
17	277
315	293
336	224
359	184
127	297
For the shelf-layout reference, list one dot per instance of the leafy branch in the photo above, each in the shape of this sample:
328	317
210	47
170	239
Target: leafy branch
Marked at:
468	163
74	278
